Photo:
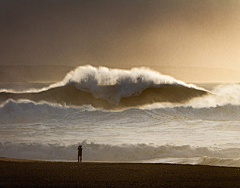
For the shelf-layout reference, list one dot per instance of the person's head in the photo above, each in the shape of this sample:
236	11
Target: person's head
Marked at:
80	146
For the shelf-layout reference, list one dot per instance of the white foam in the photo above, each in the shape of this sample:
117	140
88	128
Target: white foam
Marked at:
126	82
112	84
221	95
25	111
120	153
204	160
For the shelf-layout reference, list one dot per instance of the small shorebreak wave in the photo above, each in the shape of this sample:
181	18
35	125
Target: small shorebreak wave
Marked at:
123	153
111	89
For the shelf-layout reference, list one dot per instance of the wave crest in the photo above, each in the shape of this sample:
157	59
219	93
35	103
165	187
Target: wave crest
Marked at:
111	88
114	84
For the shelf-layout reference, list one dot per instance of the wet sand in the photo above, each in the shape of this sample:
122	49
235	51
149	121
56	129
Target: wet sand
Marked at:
30	173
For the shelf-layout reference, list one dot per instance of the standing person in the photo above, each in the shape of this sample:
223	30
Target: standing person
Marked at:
80	153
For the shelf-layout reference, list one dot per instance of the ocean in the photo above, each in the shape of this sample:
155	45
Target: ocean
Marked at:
136	115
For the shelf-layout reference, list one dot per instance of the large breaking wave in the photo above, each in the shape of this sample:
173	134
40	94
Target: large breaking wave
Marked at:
111	89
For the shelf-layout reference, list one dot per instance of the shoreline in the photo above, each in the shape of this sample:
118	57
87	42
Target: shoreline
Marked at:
37	173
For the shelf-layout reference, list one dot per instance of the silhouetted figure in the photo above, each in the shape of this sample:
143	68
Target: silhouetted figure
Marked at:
80	153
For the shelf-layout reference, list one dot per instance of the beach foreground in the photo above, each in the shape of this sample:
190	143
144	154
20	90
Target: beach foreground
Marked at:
29	173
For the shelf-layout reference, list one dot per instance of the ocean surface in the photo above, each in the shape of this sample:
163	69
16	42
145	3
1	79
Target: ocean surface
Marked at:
136	115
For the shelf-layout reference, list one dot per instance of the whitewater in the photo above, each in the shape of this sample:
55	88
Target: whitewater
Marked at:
136	115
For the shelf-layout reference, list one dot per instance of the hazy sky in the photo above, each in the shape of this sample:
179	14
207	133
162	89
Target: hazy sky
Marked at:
203	33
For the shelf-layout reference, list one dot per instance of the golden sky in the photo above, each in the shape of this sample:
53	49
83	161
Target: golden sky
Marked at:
196	33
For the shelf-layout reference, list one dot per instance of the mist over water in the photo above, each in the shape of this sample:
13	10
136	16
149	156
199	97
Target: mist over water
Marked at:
136	115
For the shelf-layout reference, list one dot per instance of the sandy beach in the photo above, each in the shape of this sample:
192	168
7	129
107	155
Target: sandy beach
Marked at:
30	173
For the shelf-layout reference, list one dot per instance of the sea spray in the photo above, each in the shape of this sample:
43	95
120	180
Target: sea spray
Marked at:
111	89
223	94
